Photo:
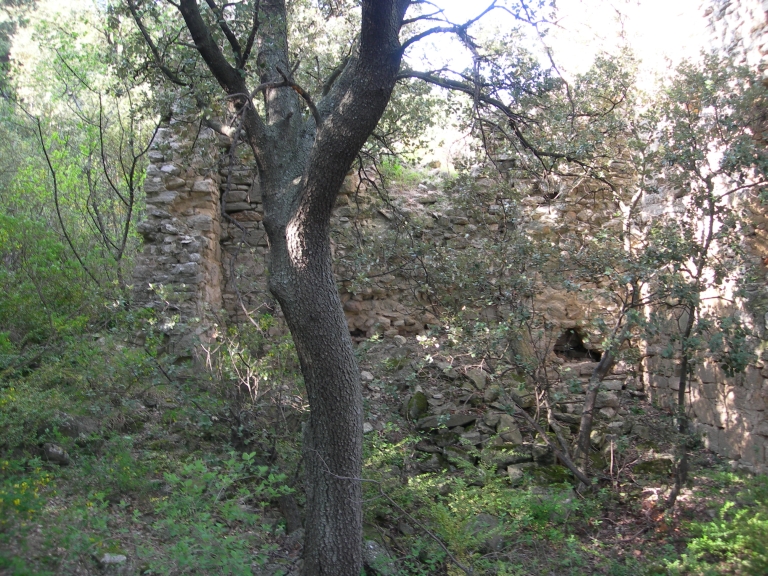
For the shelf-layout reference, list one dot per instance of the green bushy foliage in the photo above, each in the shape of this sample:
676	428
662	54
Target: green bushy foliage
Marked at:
43	288
736	541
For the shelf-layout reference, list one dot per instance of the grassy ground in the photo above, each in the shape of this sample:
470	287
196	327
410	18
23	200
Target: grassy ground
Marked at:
169	472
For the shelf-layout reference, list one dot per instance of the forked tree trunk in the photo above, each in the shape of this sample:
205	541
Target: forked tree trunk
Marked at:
332	449
302	160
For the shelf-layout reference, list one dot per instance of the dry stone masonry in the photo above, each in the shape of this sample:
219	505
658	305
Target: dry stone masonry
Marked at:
205	247
205	255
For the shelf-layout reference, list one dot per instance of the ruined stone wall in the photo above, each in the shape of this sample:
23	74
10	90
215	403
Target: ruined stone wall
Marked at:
205	257
729	411
739	27
204	260
179	271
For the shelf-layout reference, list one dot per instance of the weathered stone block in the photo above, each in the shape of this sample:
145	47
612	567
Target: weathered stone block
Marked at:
153	185
761	429
174	183
706	412
202	222
660	382
237	206
707	373
236	196
170	169
166	197
204	186
752	377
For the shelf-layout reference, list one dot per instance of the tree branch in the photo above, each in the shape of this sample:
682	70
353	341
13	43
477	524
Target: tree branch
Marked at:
227	76
252	35
303	93
458	29
231	38
153	48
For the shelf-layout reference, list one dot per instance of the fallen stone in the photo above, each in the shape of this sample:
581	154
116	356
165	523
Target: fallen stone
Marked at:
641	431
473	437
542	454
508	430
571	419
448	371
56	454
417	406
460	453
523	398
492	419
486	526
659	466
428	423
366	376
405	529
550	474
436	463
111	560
447	437
460	420
378	559
501	457
427	447
367	428
607	400
607	412
619	427
491	394
515	474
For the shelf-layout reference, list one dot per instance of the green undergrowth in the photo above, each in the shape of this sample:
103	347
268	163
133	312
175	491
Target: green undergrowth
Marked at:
475	518
735	541
180	471
166	466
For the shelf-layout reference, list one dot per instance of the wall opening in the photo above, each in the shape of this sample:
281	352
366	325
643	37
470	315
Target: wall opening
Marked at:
570	347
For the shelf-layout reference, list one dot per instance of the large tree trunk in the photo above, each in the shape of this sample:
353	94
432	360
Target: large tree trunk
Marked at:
306	290
302	160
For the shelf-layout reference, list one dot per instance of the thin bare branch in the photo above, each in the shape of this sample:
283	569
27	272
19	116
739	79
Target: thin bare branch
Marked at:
153	47
231	38
303	93
252	35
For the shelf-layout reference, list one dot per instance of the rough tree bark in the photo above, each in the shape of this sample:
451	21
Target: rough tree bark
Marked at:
302	161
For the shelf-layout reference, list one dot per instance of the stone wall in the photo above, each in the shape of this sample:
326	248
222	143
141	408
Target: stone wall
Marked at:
205	251
739	26
205	257
179	270
208	263
729	411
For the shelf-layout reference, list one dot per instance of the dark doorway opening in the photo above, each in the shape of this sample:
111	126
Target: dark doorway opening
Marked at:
570	346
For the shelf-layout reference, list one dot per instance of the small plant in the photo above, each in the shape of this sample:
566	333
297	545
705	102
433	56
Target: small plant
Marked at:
734	542
21	486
